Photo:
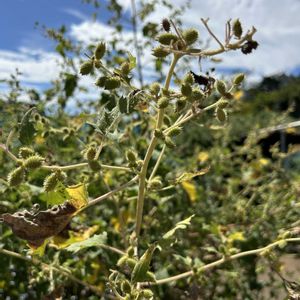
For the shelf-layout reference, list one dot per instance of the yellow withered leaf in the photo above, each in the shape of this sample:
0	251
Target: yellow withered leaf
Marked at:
190	189
78	195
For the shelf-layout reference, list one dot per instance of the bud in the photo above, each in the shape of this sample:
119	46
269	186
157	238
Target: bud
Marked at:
100	51
190	36
160	52
130	251
167	38
188	79
125	68
33	162
163	102
237	28
90	153
131	155
86	68
16	176
221	87
155	88
166	24
239	78
100	82
25	152
175	131
222	104
94	165
126	287
186	90
169	143
112	83
221	115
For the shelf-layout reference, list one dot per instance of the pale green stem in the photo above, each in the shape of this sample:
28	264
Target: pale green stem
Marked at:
157	162
221	261
151	147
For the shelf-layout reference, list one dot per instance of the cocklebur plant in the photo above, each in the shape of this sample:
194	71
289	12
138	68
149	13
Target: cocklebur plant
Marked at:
167	108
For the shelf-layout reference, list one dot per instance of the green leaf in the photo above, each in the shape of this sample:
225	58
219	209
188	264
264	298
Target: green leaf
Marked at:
58	196
26	128
107	120
189	175
132	61
95	240
180	225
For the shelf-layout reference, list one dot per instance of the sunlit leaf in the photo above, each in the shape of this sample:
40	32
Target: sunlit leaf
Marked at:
180	225
58	196
190	189
189	175
77	195
96	240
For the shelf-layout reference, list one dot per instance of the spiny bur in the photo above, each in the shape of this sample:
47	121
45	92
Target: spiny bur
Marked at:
16	176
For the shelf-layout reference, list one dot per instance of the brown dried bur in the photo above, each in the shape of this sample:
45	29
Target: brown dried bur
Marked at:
36	226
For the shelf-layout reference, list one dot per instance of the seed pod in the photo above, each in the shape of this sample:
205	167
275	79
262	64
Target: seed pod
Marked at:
25	152
16	176
90	153
33	162
221	87
126	287
159	134
112	83
52	180
169	143
155	88
188	79
100	50
130	251
223	104
197	95
160	52
167	38
163	102
166	24
125	68
131	156
100	82
239	78
155	184
86	68
175	131
142	266
97	64
221	115
190	36
94	165
237	28
186	89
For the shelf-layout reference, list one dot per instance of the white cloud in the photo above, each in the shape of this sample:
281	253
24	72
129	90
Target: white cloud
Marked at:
278	34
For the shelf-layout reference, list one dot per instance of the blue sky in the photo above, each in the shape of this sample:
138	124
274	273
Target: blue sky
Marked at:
23	47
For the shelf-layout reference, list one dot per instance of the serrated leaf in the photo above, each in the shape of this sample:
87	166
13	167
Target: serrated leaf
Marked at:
107	120
77	195
94	241
189	175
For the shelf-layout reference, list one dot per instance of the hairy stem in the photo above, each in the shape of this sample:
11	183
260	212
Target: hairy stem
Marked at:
151	147
220	261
